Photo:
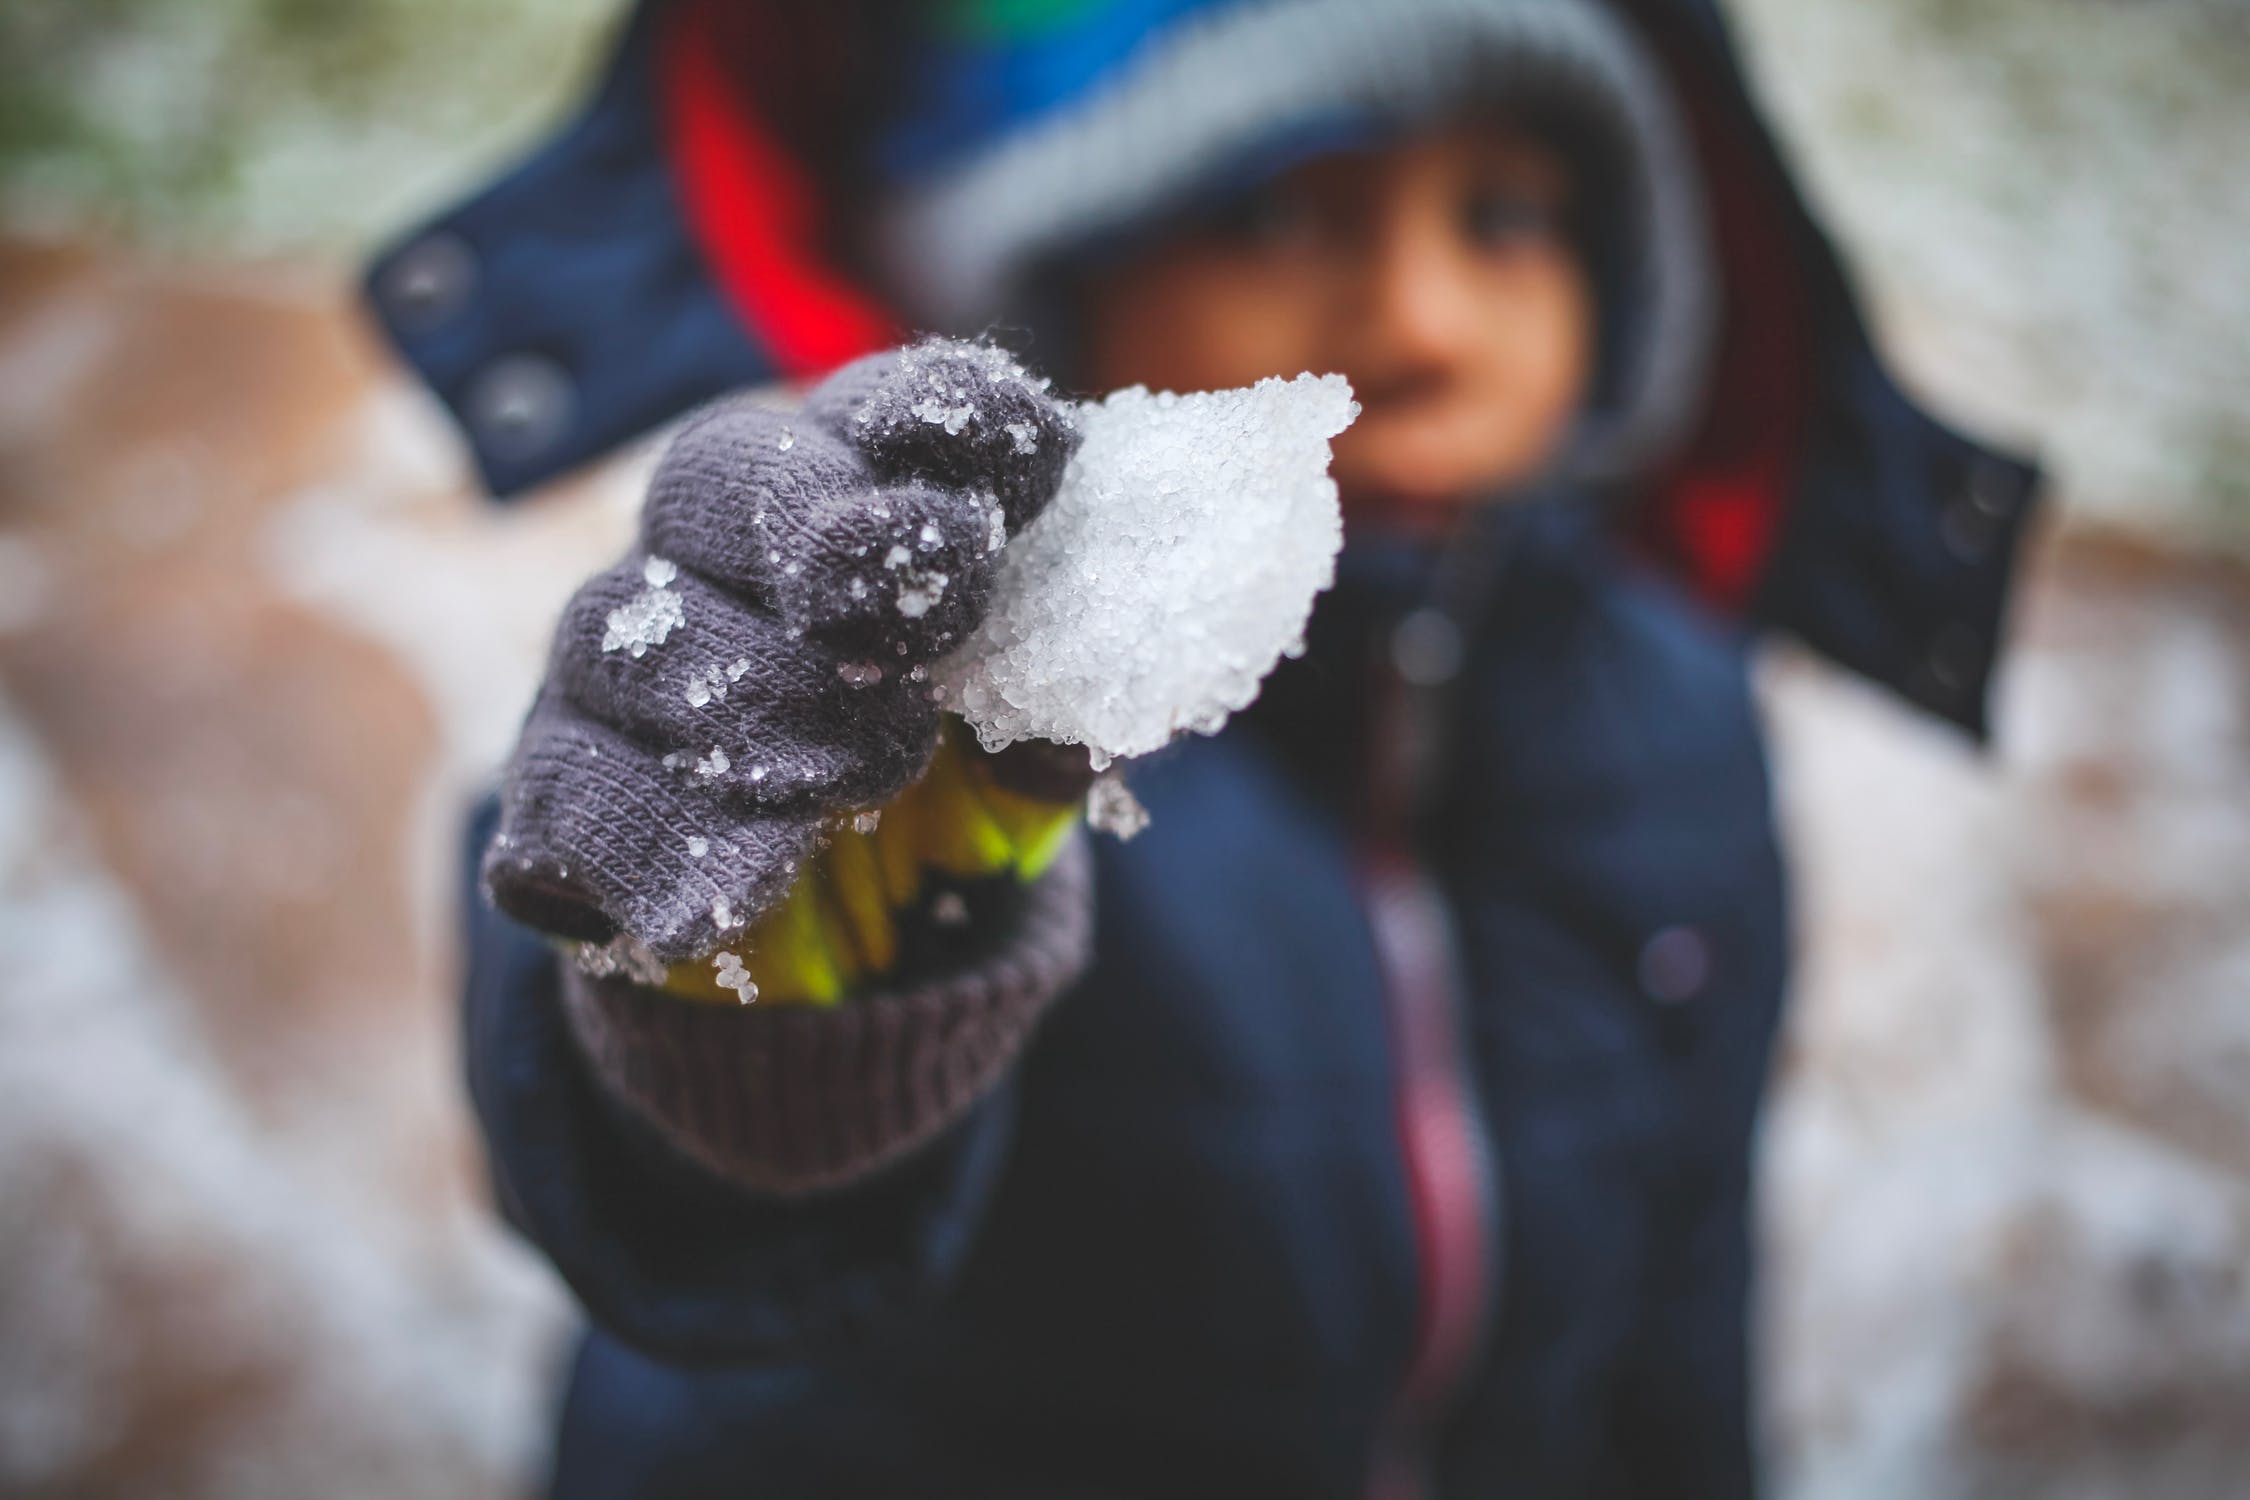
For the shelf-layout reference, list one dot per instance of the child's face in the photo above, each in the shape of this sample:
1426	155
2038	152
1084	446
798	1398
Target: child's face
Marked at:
1436	274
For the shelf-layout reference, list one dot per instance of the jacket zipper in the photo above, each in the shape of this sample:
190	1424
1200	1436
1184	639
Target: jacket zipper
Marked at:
1445	1142
1445	1146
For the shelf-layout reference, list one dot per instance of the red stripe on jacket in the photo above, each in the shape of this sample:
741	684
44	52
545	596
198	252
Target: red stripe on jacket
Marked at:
1716	517
753	207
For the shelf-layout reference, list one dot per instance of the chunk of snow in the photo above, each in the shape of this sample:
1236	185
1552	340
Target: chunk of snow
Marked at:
647	619
951	418
919	592
1112	808
1175	566
620	957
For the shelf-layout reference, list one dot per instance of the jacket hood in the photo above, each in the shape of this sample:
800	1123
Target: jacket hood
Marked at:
679	238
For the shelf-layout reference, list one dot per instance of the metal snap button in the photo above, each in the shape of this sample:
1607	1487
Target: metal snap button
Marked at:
521	405
1426	648
1972	519
1968	529
430	280
1994	489
1953	658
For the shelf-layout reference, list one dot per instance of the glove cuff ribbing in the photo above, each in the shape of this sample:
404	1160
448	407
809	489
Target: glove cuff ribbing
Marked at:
791	1100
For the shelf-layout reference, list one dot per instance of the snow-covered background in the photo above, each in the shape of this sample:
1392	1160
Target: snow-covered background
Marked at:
258	642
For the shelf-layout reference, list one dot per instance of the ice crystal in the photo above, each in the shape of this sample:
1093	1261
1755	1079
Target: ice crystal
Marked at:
1112	808
648	618
731	975
622	958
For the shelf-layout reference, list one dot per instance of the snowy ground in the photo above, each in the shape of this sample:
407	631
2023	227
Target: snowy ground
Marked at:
258	644
2010	1166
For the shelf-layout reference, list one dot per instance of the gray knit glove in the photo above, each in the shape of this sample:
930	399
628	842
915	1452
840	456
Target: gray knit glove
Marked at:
754	668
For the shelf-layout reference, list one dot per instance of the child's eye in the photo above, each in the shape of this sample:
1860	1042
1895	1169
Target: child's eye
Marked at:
1499	220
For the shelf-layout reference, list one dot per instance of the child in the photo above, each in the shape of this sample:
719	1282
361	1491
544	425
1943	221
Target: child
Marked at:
1395	1134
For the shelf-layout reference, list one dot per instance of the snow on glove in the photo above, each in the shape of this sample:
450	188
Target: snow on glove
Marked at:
757	664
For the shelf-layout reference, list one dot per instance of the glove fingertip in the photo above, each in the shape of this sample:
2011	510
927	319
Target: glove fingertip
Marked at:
970	416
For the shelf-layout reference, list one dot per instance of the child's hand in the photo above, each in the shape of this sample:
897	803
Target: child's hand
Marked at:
754	668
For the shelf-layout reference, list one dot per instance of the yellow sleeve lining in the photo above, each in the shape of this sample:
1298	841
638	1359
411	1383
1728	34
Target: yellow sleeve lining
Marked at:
838	926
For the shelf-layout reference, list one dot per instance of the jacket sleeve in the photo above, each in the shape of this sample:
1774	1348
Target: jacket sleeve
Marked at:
748	1183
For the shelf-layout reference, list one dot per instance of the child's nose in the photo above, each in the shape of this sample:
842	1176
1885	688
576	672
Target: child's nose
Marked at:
1418	313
